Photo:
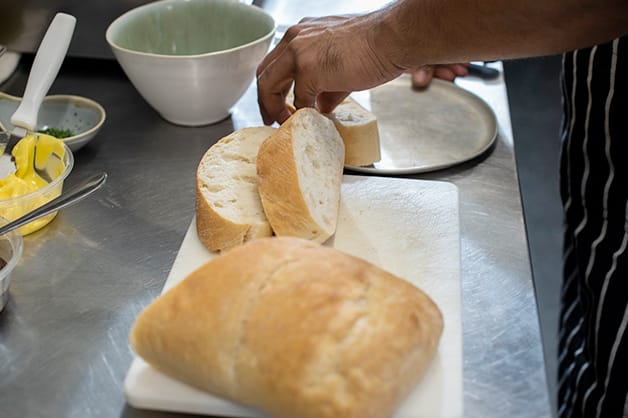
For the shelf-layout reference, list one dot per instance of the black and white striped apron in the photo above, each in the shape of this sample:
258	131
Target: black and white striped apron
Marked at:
593	341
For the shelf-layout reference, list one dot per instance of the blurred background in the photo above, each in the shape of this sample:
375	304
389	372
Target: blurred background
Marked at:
25	21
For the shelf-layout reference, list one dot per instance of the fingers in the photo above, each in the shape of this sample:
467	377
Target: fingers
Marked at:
273	84
327	102
294	31
304	94
451	71
422	76
460	70
275	75
290	34
282	114
290	62
444	73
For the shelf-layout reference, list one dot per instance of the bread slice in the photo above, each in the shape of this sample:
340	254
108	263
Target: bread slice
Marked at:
299	330
228	207
299	168
357	127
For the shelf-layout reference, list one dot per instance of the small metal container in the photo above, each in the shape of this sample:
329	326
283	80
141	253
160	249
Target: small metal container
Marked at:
10	253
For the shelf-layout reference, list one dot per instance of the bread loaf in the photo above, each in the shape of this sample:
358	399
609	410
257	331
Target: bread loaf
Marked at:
295	329
228	207
357	127
299	170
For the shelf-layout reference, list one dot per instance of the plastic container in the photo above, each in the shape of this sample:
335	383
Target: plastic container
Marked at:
11	209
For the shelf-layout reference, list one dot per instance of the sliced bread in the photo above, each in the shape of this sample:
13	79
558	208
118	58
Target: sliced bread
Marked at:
299	170
357	127
228	207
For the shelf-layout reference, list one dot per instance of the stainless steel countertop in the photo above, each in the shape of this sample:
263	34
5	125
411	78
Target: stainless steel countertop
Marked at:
82	280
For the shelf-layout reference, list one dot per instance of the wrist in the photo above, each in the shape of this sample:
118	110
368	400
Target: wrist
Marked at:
395	38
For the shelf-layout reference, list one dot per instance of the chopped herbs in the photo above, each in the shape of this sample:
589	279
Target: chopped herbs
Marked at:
57	133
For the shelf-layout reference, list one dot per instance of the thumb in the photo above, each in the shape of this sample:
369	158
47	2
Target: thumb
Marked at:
422	76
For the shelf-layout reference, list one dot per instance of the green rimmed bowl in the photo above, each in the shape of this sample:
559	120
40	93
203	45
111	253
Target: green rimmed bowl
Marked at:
191	60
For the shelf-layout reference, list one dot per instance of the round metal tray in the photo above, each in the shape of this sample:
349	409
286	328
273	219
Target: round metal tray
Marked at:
426	130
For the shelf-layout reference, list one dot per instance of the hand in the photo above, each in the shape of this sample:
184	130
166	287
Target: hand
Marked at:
326	58
422	76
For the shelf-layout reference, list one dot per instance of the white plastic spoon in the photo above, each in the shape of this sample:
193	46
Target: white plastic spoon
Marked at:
46	65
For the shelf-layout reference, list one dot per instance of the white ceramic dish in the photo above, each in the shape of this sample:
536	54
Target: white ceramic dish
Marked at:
191	60
83	116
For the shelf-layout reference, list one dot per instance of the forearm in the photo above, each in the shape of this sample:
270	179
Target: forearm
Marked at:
417	32
328	57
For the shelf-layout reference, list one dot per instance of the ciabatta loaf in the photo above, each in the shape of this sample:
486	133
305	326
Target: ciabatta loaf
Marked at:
228	207
357	127
299	169
295	329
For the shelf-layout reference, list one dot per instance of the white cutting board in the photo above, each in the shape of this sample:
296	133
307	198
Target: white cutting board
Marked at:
408	227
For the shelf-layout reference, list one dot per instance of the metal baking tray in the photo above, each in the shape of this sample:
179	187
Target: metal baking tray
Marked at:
429	129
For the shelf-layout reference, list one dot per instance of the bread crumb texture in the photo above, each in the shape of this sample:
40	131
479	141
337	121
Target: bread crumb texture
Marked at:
228	208
299	169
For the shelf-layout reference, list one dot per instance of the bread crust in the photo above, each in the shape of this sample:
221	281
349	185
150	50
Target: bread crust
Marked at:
193	331
279	188
361	139
299	331
216	232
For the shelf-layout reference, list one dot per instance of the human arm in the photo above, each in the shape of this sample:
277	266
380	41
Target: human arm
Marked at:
329	57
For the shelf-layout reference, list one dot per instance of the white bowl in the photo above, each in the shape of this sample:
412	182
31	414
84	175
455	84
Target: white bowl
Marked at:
84	117
191	60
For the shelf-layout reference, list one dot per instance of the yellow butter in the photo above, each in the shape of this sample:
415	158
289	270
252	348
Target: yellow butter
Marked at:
30	151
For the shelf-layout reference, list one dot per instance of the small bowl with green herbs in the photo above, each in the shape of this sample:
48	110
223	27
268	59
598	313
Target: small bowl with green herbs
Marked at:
73	119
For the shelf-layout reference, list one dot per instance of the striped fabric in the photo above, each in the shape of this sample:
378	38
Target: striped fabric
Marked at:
593	341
